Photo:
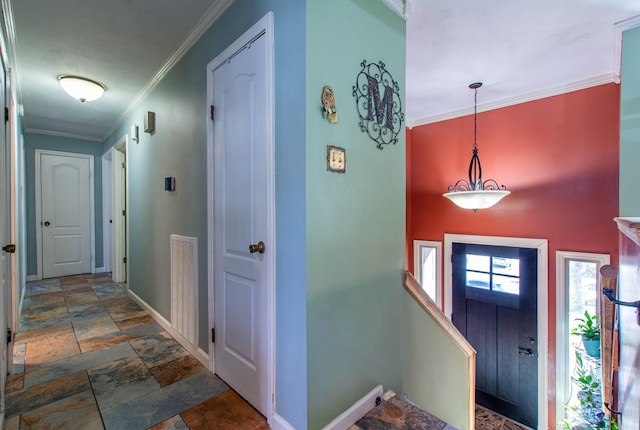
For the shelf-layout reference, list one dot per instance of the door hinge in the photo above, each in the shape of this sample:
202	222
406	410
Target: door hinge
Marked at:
124	259
213	335
124	165
124	212
212	112
6	114
9	336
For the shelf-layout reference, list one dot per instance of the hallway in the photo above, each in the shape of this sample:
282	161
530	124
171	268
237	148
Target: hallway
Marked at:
88	357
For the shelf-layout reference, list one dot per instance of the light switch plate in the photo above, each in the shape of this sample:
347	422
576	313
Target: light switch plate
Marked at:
336	159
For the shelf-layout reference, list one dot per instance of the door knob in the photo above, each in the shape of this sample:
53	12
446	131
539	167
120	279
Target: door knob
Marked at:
257	247
9	249
47	223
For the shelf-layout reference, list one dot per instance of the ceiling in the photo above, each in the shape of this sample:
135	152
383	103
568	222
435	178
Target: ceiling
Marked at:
519	49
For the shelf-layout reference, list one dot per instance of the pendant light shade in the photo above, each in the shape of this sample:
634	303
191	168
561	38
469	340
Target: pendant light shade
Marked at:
475	193
82	89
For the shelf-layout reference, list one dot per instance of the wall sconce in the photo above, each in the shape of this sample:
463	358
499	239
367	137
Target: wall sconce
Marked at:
149	122
135	136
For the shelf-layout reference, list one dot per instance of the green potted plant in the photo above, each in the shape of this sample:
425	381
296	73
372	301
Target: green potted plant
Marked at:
589	328
588	413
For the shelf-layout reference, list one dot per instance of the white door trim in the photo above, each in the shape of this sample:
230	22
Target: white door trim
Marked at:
562	324
264	25
418	246
543	300
38	217
107	211
120	153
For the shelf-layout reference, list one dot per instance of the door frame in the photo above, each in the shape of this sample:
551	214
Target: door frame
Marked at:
562	323
120	249
264	25
543	299
38	217
107	211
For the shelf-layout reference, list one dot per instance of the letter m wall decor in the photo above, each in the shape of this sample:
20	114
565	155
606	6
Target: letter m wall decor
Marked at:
379	105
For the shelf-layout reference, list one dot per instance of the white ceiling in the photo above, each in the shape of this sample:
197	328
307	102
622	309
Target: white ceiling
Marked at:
120	43
519	49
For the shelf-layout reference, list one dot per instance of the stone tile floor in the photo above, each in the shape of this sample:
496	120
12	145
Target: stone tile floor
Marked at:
88	357
488	420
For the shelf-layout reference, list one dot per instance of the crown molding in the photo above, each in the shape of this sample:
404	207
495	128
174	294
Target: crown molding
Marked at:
401	7
522	98
60	134
618	29
10	49
215	11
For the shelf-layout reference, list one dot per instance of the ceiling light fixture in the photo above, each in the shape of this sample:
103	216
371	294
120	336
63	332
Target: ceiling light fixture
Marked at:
82	89
475	194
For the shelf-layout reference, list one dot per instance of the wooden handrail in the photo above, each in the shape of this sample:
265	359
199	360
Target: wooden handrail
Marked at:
431	308
609	336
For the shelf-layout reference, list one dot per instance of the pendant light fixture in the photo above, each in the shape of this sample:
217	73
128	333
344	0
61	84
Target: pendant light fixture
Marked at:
475	193
82	89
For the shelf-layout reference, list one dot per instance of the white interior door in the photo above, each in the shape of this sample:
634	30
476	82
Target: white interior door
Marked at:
65	184
5	257
242	198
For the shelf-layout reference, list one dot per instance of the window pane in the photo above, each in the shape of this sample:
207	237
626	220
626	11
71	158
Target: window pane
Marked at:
480	263
428	272
478	280
506	284
506	266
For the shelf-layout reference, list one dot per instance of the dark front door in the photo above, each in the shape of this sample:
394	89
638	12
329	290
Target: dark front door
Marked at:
495	308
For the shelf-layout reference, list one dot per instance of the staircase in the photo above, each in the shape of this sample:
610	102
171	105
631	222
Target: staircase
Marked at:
395	413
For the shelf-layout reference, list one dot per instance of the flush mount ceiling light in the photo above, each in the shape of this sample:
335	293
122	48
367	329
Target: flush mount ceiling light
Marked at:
476	194
82	89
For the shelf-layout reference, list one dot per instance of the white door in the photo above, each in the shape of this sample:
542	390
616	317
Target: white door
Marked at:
65	184
5	236
242	200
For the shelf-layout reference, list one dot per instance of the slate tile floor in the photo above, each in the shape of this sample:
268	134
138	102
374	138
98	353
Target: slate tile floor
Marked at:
88	357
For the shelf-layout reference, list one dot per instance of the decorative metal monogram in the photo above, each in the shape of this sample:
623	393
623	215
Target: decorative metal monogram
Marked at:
380	118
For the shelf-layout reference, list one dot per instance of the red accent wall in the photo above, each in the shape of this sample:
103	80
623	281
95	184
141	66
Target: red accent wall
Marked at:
559	157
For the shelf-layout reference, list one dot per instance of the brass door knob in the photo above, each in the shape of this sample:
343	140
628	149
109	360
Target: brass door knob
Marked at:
9	249
257	247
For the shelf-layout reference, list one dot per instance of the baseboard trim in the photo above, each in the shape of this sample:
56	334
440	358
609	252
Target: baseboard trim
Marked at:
279	423
99	270
31	278
355	412
197	352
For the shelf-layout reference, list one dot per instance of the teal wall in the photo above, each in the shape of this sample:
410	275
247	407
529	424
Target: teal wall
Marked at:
348	282
630	124
629	278
179	147
355	236
443	385
34	141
